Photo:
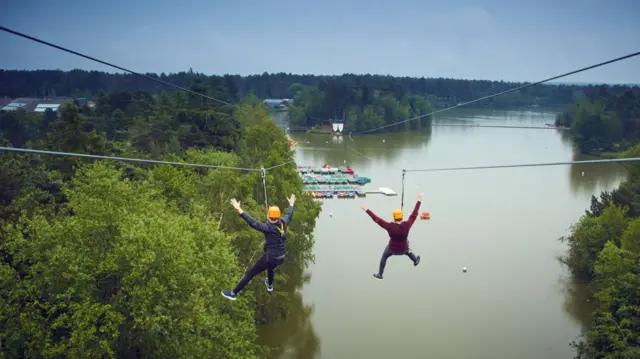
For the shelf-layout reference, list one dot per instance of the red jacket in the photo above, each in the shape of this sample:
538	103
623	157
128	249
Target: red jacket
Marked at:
398	232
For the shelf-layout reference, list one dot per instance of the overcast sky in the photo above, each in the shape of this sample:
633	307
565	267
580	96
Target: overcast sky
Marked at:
499	39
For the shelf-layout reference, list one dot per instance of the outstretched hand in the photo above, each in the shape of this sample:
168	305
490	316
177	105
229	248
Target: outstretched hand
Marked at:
292	200
364	208
236	205
420	196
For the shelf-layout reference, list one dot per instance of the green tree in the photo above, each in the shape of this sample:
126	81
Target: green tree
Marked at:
588	237
631	237
594	128
126	275
616	324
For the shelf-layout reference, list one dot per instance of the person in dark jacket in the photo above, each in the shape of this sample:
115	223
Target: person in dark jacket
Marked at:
275	231
398	235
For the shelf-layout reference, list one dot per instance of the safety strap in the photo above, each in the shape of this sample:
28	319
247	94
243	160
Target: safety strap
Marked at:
404	172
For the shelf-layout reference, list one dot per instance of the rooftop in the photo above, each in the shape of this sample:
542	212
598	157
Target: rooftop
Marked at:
36	104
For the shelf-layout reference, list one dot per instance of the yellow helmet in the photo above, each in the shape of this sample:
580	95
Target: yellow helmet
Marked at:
397	214
273	212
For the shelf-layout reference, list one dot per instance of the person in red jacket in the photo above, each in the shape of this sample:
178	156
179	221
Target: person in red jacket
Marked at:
398	235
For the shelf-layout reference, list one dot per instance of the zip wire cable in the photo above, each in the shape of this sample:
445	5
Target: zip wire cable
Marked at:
3	28
263	173
28	150
503	92
470	125
404	172
276	166
499	126
112	65
612	160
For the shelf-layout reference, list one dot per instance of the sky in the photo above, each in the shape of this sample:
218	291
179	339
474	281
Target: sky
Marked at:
511	40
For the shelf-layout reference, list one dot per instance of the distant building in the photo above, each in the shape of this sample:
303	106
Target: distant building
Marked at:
30	104
278	104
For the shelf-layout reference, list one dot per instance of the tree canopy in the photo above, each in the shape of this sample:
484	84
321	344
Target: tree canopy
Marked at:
604	249
604	119
122	259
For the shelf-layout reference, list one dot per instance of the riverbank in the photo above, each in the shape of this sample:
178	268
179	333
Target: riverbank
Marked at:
604	251
490	246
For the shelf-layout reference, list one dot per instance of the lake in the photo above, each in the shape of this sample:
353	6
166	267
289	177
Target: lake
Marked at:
515	300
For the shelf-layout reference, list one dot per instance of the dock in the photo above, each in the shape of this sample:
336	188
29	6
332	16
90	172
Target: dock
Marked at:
385	191
337	182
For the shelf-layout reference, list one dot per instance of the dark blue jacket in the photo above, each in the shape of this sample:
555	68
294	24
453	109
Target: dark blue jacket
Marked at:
274	233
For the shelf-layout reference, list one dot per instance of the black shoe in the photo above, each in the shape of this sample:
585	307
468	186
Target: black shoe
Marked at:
269	288
229	294
417	261
377	275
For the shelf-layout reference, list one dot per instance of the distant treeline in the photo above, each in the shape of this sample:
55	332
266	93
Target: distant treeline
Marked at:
439	91
363	102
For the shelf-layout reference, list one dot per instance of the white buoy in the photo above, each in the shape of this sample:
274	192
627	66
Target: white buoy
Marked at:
464	269
382	140
582	174
330	214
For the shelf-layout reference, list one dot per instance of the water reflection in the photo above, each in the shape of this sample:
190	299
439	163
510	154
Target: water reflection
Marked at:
317	149
594	178
485	241
578	302
565	137
292	337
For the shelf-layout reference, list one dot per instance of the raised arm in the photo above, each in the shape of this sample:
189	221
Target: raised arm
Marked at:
414	214
262	227
382	223
287	217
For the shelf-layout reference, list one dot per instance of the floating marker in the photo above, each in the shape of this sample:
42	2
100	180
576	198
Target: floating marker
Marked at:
582	174
464	269
331	214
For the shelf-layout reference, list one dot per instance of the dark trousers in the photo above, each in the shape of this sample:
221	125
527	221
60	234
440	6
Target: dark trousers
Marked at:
266	262
388	253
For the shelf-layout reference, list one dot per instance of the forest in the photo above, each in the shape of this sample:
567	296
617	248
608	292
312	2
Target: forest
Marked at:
126	260
604	244
363	102
604	119
604	252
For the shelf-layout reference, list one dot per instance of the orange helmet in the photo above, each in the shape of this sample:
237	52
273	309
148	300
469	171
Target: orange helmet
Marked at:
273	212
397	215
